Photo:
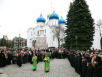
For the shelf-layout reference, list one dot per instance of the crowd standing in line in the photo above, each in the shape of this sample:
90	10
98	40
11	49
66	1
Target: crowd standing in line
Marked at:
86	63
23	56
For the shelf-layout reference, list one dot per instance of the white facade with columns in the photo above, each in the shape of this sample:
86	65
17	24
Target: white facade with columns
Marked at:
42	36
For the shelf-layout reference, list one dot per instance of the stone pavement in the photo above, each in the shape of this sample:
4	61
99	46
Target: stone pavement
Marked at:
58	68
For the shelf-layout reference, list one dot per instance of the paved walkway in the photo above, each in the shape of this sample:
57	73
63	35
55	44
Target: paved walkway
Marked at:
58	68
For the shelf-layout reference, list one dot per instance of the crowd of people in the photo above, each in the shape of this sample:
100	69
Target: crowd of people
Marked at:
85	63
23	56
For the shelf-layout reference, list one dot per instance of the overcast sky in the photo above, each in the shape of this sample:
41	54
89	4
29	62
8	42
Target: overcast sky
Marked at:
16	16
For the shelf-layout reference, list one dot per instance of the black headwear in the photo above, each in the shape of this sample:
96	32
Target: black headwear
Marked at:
89	59
98	59
85	56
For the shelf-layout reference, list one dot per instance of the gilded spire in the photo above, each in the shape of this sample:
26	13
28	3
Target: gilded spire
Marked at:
19	34
51	10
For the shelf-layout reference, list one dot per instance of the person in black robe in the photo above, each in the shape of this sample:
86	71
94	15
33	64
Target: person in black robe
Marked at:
84	66
2	59
72	59
97	70
89	68
75	61
64	54
36	53
56	54
19	60
39	57
78	63
30	57
53	54
9	58
24	58
27	56
14	57
68	54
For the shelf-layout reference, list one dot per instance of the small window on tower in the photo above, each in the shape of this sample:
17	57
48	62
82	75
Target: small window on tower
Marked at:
42	32
38	32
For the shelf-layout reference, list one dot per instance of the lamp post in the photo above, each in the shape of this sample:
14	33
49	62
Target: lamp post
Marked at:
19	43
6	40
71	43
0	41
76	42
3	41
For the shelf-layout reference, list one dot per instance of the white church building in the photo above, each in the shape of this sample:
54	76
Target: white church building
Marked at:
42	36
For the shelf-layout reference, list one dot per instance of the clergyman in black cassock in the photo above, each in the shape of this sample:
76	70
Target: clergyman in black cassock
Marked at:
9	58
84	67
19	60
2	59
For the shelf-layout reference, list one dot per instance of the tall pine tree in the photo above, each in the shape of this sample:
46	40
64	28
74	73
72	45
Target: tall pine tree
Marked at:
80	26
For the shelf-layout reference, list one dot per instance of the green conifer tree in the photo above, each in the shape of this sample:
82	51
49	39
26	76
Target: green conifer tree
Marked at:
80	26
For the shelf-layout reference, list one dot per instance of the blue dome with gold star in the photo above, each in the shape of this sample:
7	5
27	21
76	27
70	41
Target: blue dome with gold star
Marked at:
54	16
61	21
41	19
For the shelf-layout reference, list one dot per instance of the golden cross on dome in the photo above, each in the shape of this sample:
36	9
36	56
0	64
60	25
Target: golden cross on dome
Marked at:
41	10
19	34
6	35
52	6
61	13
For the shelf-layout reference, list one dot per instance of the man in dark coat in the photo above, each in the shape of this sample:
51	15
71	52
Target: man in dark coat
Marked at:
9	58
94	70
78	63
71	58
27	56
24	58
39	56
30	57
14	57
2	59
97	71
84	66
19	60
89	68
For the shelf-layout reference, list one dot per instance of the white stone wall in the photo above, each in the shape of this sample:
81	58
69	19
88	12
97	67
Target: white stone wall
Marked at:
53	22
29	35
96	42
51	41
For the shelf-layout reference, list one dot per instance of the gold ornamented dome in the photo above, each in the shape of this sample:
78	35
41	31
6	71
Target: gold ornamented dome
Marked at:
19	34
41	25
48	14
6	35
